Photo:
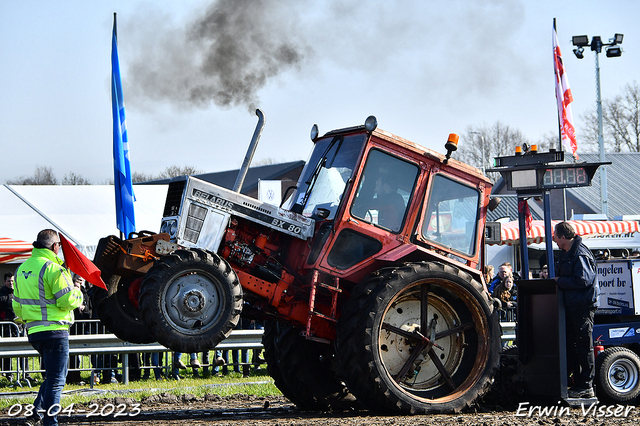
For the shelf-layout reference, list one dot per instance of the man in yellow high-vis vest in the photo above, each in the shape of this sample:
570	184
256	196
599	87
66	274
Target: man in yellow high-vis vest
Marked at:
44	300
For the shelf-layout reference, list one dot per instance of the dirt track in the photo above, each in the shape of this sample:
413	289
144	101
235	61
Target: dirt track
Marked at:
245	410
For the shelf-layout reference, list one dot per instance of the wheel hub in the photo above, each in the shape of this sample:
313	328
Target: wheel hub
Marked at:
395	350
194	301
619	375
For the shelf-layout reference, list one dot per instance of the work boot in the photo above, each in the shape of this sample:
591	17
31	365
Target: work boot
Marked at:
33	420
195	363
580	392
219	362
180	364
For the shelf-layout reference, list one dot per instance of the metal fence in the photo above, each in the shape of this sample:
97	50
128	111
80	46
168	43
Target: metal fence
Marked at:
93	340
90	339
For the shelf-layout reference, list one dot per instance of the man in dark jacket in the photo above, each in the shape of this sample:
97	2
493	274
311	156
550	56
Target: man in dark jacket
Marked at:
6	314
576	275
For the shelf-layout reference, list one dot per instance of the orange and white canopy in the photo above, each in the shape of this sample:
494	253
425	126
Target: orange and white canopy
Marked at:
14	251
510	233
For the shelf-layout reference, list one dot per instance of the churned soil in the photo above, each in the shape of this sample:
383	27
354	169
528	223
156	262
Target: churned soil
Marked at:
245	410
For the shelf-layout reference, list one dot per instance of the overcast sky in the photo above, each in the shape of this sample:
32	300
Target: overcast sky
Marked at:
194	71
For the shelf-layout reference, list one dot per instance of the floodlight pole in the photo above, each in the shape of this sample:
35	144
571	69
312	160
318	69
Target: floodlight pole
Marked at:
604	199
596	46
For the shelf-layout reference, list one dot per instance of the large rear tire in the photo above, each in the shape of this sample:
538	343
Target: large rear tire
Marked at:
118	313
307	371
191	300
418	339
270	341
618	375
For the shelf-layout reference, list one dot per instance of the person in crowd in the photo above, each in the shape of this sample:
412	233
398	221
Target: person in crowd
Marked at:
240	357
544	273
256	359
506	293
7	314
488	273
44	300
576	275
217	362
179	365
488	276
505	270
155	360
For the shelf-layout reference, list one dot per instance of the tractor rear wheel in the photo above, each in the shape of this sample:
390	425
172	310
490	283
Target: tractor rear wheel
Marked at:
418	339
307	370
118	312
270	342
191	300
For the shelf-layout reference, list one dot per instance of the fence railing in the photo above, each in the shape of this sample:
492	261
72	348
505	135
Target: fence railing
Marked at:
94	340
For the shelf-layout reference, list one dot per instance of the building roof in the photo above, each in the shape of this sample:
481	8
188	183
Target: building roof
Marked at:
227	179
623	185
508	207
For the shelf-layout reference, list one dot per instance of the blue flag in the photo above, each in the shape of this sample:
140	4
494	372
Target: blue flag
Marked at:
125	217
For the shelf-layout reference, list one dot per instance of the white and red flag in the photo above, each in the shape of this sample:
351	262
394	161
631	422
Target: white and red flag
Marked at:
564	97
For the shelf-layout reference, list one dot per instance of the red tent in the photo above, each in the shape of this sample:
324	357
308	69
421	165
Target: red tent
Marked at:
14	251
510	233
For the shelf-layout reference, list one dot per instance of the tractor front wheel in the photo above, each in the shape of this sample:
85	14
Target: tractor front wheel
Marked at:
191	300
118	312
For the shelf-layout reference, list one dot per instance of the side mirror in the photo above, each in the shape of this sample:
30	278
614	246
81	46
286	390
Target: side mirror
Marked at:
493	203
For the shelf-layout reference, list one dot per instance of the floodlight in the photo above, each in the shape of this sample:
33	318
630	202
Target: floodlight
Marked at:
580	41
617	39
579	52
614	52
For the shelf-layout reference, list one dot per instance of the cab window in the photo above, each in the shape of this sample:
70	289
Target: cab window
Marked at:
384	191
452	215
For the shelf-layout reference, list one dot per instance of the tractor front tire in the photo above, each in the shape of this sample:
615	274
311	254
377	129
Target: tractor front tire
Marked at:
191	300
118	313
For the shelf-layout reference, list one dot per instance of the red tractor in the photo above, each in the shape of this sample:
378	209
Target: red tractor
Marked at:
369	279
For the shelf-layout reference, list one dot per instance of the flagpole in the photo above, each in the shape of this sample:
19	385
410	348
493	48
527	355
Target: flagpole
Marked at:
115	35
560	146
122	179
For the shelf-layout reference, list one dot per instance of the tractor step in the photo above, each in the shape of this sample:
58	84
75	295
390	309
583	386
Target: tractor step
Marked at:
334	290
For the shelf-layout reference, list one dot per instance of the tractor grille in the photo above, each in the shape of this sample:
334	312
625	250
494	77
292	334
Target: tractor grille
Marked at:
174	198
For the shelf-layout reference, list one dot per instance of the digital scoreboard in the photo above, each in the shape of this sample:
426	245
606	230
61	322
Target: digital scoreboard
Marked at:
536	172
566	177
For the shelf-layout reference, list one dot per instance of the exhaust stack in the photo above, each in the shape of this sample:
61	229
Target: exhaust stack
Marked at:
237	187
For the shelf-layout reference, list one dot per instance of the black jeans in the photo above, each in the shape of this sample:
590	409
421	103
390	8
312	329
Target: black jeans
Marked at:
580	357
